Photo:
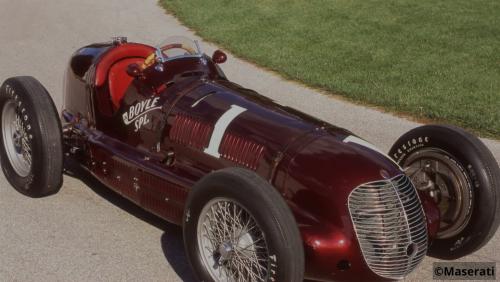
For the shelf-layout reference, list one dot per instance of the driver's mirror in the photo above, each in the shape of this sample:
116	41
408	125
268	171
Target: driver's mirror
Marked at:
134	70
219	57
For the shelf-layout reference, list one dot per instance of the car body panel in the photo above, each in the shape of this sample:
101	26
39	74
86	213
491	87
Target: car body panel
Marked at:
158	143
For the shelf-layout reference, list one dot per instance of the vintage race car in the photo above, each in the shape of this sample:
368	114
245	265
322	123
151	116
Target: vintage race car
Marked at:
263	192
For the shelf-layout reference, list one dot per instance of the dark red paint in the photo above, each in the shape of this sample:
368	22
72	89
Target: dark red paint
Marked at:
304	158
432	213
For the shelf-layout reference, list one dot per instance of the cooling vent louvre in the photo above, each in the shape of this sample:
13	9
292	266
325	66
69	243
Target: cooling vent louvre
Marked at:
190	131
390	226
241	151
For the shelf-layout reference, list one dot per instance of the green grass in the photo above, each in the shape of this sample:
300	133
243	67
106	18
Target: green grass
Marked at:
437	60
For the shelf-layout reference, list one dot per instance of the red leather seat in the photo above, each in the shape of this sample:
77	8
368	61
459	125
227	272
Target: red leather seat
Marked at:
127	50
112	67
118	79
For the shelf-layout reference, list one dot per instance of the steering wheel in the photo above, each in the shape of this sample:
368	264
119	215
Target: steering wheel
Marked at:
151	59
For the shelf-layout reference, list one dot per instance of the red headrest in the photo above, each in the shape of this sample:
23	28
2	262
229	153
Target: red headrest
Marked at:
120	52
119	80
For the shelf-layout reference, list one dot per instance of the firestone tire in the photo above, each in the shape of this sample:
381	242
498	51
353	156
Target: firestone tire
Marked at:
30	138
259	228
460	173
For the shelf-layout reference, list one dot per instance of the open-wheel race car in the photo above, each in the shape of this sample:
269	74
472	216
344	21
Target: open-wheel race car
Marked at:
263	192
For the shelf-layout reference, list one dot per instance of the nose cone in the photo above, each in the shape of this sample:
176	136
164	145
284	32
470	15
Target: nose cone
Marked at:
320	177
333	167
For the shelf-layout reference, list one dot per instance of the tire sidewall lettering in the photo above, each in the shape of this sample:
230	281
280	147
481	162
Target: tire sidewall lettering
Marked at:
409	146
273	269
21	107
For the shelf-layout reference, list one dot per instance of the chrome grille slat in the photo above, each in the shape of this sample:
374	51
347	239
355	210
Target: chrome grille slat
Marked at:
375	213
386	198
391	244
396	269
393	268
388	218
381	240
383	185
377	231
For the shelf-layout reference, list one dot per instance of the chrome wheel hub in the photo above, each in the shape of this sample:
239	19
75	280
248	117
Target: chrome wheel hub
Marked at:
16	141
225	251
442	178
231	244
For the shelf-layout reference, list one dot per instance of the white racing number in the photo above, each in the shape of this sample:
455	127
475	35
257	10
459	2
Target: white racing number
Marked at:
220	128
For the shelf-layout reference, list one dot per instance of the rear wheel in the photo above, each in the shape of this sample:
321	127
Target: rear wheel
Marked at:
237	227
30	146
462	177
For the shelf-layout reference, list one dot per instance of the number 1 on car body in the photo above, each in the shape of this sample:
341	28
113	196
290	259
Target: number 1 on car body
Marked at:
220	129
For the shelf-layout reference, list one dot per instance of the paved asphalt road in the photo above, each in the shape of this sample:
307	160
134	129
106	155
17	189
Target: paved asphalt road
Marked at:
86	233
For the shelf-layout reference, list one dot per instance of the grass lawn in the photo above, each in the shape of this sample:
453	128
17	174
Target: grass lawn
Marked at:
436	60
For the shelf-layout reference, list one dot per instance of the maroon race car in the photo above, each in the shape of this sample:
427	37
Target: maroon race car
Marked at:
263	192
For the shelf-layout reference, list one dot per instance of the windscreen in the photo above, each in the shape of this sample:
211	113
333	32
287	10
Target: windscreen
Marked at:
176	46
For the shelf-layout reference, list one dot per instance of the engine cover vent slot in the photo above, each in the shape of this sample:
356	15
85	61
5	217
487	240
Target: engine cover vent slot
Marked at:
189	131
390	225
241	151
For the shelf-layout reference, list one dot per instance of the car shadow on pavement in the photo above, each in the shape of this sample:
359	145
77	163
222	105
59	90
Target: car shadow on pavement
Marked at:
171	240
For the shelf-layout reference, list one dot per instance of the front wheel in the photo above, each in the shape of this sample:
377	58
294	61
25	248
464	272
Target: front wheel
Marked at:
237	227
30	142
458	172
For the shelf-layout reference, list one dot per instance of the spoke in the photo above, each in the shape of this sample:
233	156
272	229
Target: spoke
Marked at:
26	150
239	267
209	235
225	271
216	222
209	249
242	266
226	222
253	244
253	261
236	223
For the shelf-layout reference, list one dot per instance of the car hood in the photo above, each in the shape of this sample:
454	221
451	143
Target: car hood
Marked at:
320	175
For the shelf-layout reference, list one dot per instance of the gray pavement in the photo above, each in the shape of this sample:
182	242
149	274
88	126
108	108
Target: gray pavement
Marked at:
86	232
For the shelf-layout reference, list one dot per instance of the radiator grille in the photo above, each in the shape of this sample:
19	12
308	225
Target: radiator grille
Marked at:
390	225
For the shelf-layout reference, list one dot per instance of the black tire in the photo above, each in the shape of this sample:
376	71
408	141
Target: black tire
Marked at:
264	204
478	216
42	130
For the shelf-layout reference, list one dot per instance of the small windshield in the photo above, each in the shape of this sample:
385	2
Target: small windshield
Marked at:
176	46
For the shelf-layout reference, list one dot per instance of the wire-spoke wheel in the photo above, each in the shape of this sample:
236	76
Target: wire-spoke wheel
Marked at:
232	245
30	141
16	138
237	227
456	171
